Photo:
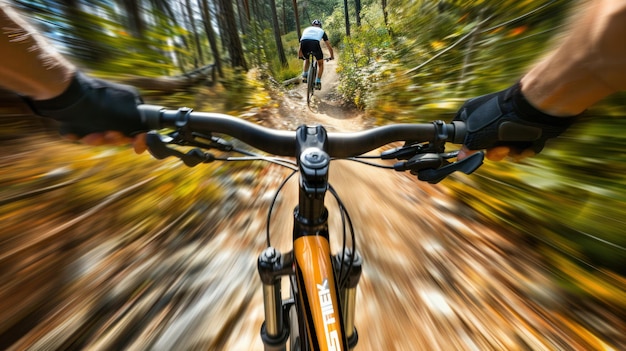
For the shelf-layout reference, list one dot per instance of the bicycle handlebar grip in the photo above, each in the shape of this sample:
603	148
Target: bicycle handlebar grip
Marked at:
151	115
460	129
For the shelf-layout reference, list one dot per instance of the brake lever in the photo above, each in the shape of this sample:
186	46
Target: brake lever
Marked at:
420	161
410	150
159	150
191	139
402	153
466	165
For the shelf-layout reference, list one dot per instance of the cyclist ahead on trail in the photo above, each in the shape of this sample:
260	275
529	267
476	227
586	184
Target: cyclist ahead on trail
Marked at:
310	42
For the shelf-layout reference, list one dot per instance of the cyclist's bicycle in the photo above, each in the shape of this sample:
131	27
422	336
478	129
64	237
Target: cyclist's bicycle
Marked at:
319	315
311	76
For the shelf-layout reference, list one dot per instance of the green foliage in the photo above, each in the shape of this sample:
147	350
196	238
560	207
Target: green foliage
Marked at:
434	57
240	91
365	54
291	44
263	53
294	67
319	9
334	26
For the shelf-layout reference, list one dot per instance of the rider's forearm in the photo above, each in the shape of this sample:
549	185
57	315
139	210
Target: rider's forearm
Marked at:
28	65
330	49
588	65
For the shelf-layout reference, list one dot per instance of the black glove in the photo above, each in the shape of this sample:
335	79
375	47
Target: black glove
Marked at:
506	118
91	105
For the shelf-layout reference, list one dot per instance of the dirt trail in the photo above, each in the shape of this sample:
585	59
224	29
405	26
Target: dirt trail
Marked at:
434	277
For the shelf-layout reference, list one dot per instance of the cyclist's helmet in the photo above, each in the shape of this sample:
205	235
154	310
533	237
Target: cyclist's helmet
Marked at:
316	22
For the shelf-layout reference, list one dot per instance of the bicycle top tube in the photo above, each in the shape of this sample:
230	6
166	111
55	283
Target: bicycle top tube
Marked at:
283	143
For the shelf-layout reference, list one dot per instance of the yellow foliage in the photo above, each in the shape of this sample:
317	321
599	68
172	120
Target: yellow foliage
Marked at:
437	44
607	287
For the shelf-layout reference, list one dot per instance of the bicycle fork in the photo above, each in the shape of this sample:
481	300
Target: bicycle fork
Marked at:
310	228
272	266
349	265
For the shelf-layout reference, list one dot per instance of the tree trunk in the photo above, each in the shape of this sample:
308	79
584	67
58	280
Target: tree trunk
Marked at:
243	10
221	25
347	16
180	57
385	13
210	33
196	37
231	36
246	9
279	43
283	16
357	6
297	17
135	21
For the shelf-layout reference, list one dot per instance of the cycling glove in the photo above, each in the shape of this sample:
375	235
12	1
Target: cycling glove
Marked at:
91	105
506	118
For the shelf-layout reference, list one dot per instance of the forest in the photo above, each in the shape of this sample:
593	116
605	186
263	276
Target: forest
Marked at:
400	61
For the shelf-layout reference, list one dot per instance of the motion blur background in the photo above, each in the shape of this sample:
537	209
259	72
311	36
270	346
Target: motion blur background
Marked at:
72	217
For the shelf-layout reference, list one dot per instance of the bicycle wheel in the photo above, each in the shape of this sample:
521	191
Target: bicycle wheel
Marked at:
310	87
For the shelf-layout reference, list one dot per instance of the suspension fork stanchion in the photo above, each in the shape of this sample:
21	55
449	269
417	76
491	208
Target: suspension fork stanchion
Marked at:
271	266
349	264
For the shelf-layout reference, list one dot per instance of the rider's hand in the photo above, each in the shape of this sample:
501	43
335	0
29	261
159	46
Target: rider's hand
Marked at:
112	138
506	124
96	112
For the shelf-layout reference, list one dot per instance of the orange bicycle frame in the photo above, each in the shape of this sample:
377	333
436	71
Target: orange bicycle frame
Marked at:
318	293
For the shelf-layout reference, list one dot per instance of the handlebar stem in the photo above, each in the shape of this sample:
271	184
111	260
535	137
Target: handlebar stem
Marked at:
314	162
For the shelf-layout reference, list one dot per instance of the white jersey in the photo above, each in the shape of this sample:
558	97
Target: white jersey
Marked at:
313	33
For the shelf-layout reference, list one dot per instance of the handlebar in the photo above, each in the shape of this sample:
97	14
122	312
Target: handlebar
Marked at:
423	153
283	143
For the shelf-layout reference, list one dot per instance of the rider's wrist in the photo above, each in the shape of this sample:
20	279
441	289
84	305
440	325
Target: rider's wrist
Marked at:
59	78
557	98
527	111
73	92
